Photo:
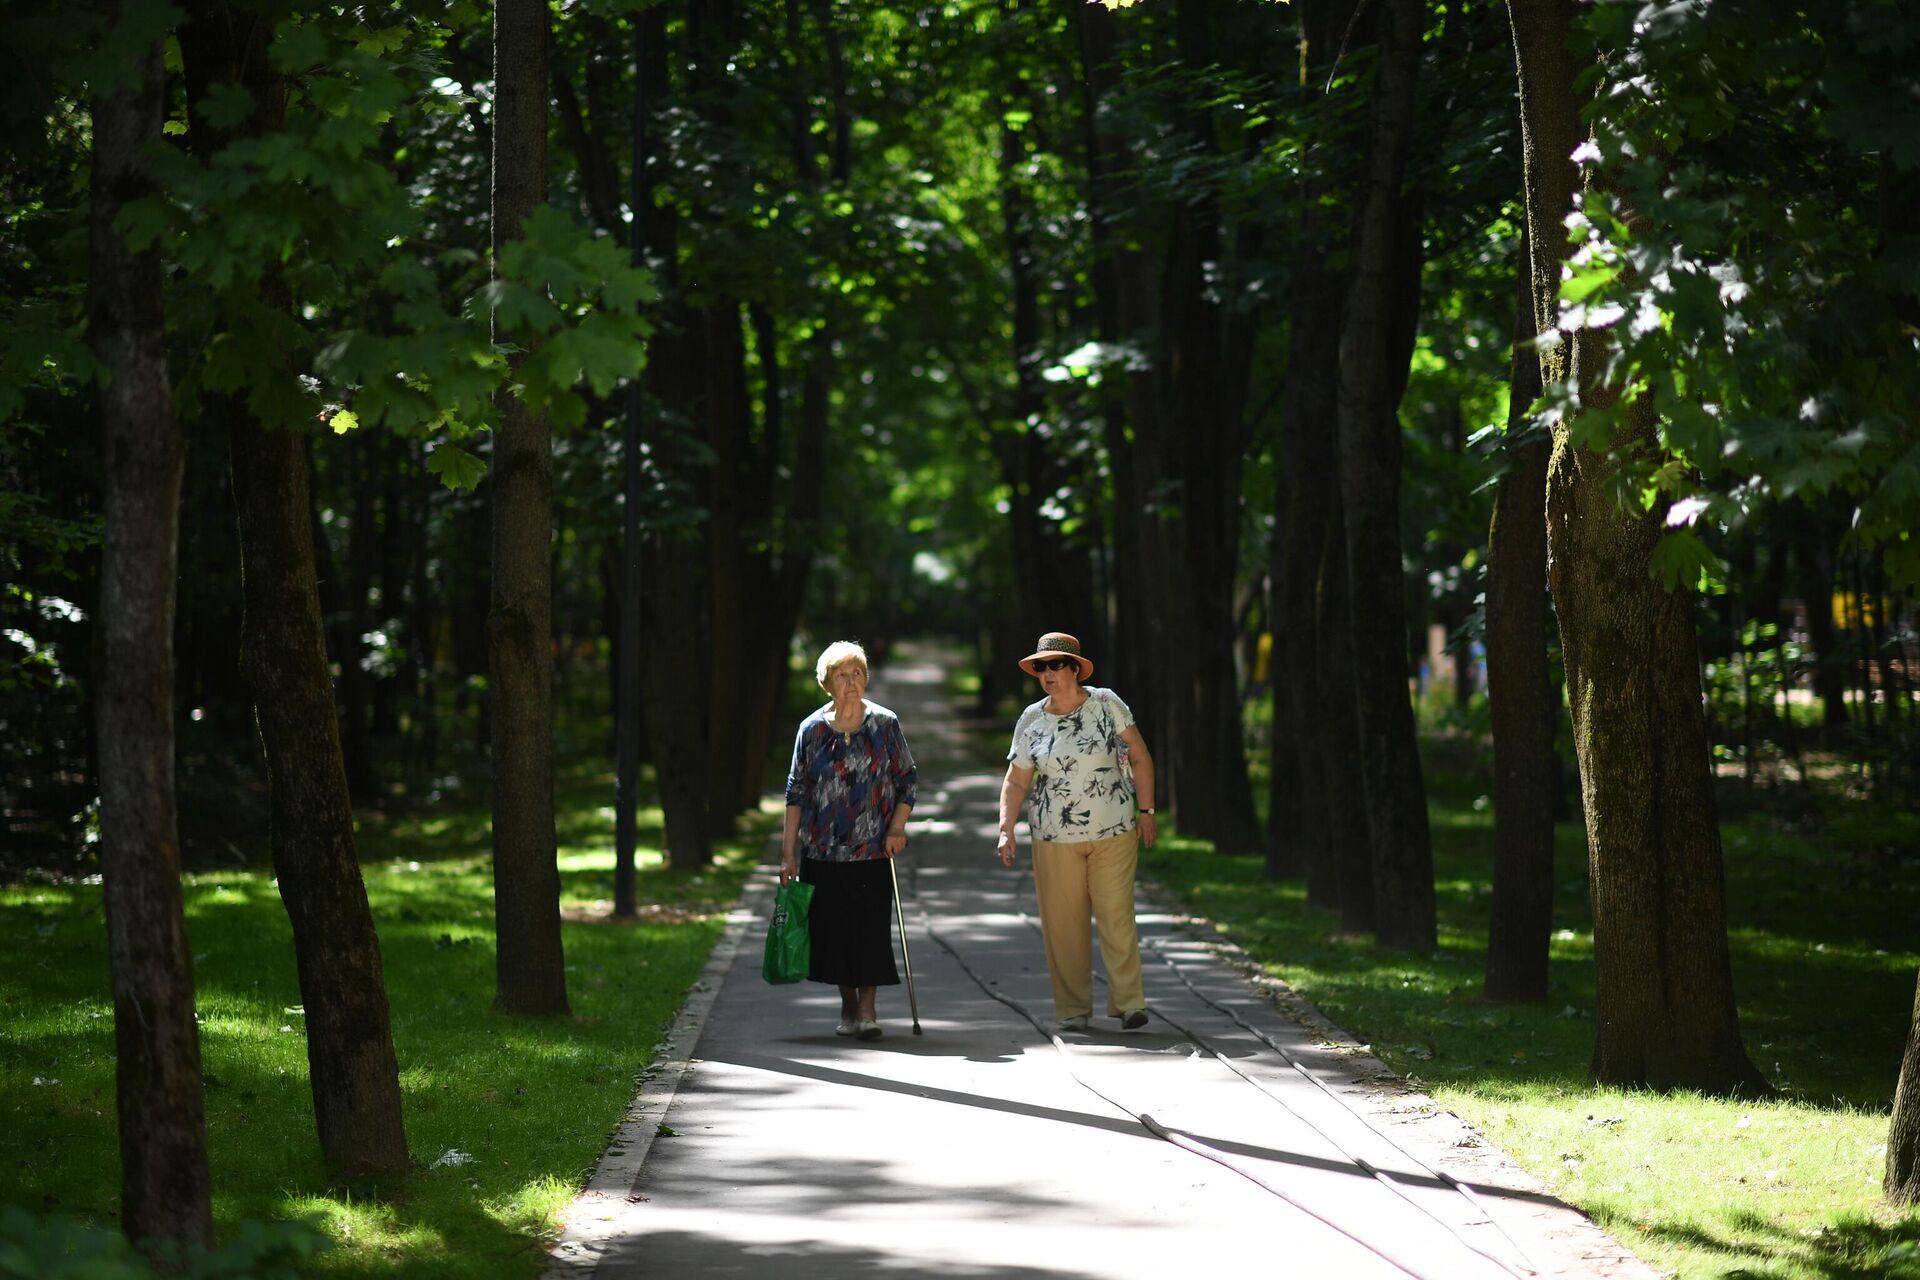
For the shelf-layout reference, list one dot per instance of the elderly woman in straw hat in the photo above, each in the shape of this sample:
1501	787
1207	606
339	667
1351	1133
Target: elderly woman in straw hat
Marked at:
1068	766
850	791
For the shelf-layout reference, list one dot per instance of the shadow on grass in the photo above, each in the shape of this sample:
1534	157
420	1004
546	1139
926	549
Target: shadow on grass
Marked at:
1848	1248
1798	976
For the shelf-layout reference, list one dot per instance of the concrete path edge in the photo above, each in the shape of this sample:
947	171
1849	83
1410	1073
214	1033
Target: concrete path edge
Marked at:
583	1238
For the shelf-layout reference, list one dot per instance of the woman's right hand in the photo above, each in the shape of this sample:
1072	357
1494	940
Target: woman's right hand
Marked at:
1006	848
789	867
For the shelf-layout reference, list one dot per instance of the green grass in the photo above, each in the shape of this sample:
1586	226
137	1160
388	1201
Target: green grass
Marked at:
532	1101
1824	957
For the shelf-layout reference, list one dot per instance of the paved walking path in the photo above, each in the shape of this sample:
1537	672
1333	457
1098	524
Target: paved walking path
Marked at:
1226	1134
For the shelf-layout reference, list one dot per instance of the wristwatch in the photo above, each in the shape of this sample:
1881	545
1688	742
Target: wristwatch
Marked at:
1147	810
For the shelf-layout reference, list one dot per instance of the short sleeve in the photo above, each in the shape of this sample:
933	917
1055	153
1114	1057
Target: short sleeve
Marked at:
1017	754
1122	713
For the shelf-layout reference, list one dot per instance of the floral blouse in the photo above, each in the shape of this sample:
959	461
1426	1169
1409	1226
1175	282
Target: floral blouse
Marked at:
1081	789
847	785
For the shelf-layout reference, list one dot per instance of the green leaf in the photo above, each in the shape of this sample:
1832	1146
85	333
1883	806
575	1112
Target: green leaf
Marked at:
297	47
1681	559
344	421
1902	563
456	468
226	106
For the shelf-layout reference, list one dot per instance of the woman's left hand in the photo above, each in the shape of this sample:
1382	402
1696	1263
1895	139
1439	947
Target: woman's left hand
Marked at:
1149	829
896	843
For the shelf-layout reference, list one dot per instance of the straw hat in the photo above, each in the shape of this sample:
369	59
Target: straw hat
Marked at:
1057	644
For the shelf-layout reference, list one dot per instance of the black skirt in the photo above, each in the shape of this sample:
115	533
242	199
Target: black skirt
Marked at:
851	922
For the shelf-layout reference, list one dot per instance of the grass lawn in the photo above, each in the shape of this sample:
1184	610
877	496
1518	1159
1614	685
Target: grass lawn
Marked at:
530	1101
1824	941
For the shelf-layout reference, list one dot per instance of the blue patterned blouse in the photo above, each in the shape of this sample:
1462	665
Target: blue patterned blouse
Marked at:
847	785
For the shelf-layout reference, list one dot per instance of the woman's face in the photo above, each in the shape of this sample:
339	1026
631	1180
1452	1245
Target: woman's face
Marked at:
1061	683
847	681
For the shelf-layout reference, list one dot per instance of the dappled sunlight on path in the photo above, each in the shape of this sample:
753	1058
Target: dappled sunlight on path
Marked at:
1222	1134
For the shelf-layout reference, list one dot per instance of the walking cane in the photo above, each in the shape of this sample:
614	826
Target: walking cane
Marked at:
901	915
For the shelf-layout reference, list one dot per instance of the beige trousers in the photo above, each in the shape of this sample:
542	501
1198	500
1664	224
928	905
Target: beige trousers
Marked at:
1071	881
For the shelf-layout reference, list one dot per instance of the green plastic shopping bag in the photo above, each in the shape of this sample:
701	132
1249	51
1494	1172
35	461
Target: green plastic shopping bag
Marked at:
789	945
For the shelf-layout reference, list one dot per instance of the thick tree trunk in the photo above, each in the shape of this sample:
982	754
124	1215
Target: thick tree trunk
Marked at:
1114	257
1903	1138
1198	427
1055	575
1299	838
1145	667
350	1058
1370	452
1521	695
729	576
530	967
164	1183
1664	1013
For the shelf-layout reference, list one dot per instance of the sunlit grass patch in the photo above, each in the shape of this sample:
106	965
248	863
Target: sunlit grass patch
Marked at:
515	1110
1824	955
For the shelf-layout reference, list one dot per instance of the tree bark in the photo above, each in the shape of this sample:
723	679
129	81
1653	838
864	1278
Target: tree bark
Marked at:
729	434
350	1056
628	699
1120	274
1664	1012
1350	858
359	459
353	1072
1298	836
1903	1137
1370	450
165	1188
1055	575
1521	695
530	966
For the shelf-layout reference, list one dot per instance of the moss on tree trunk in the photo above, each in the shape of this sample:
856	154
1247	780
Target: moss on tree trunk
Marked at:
1664	1013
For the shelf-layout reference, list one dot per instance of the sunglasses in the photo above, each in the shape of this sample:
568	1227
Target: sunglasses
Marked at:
1055	664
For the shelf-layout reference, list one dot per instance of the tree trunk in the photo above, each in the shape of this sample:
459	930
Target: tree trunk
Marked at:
530	967
730	442
350	1058
1370	450
1147	667
164	1183
1055	575
1521	694
1349	838
1903	1138
626	659
1664	1013
1298	836
1116	266
359	459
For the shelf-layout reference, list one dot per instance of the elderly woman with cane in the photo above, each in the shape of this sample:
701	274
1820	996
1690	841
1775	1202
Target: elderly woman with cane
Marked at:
1088	819
850	791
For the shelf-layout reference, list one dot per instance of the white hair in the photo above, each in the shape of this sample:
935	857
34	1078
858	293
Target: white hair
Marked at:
836	653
